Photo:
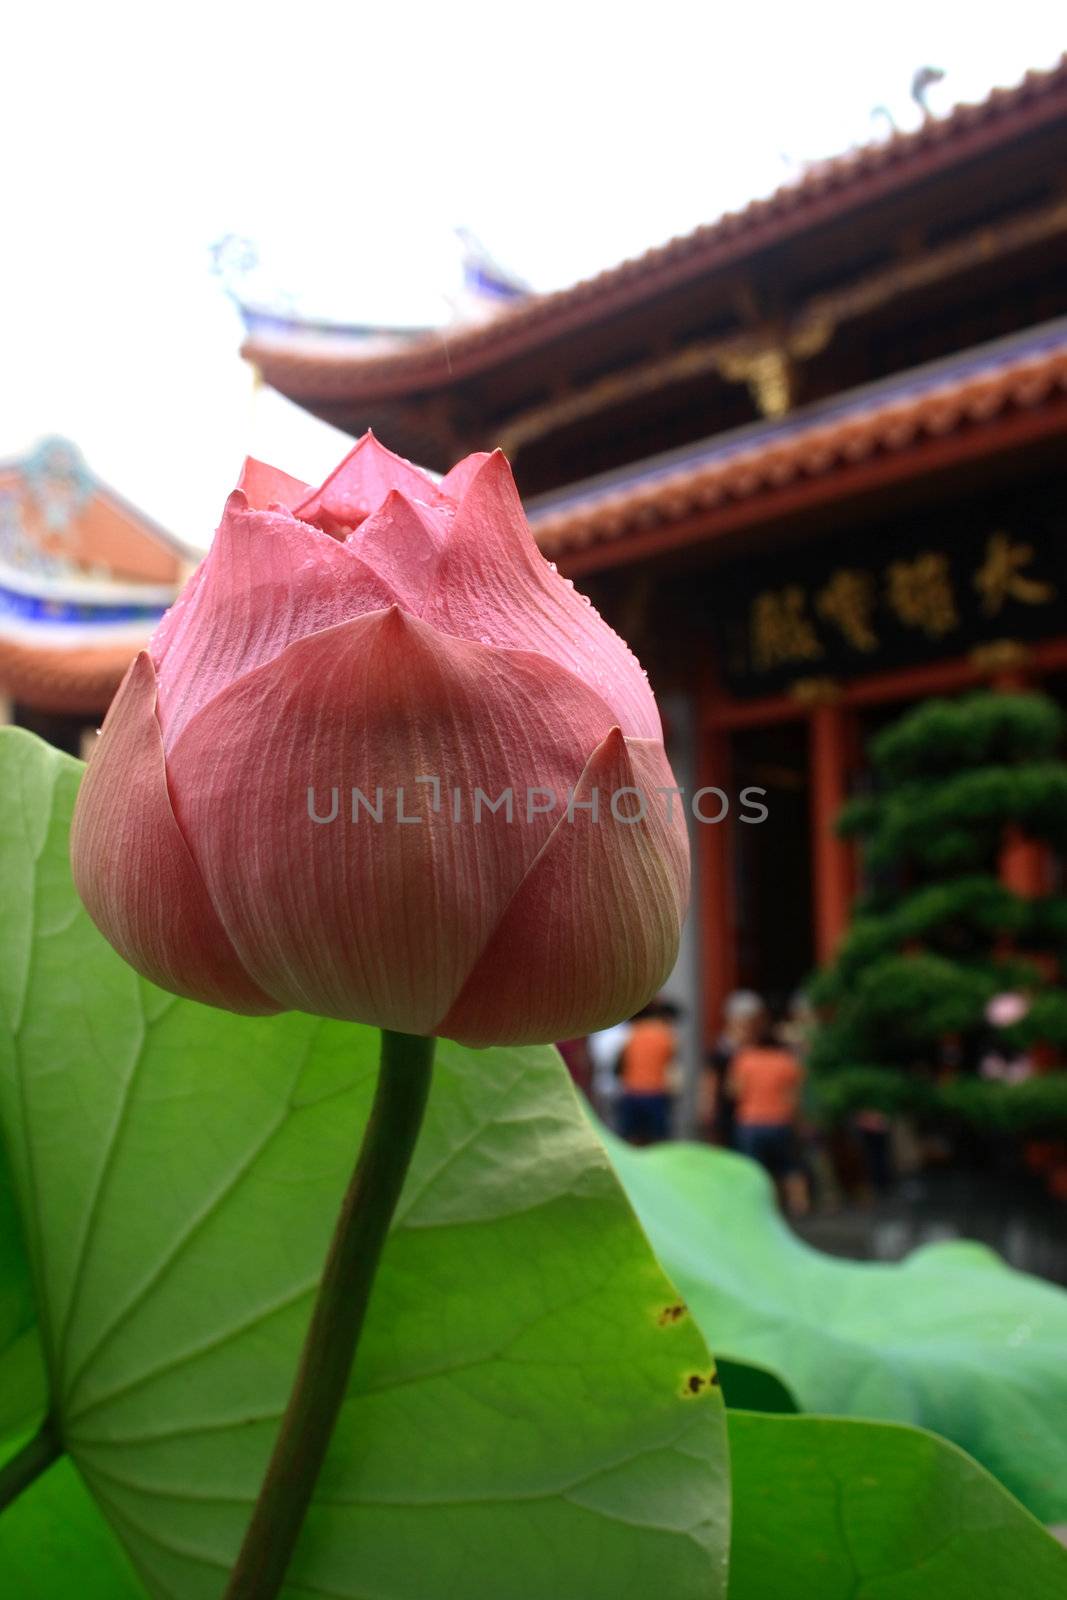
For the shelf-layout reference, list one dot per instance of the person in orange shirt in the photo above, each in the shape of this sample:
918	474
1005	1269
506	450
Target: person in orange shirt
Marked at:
648	1069
766	1079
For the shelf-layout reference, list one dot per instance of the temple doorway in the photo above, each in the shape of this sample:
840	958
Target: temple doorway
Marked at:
776	949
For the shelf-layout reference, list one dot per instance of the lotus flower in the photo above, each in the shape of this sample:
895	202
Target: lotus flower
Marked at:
282	809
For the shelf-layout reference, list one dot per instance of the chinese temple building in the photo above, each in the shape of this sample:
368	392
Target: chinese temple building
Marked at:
811	460
84	578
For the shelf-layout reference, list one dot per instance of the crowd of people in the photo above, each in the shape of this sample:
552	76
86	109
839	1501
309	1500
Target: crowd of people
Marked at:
750	1093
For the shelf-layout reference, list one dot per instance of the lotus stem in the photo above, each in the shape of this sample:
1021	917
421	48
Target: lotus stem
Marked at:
337	1319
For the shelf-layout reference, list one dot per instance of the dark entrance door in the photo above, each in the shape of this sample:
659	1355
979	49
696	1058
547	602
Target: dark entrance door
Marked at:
773	865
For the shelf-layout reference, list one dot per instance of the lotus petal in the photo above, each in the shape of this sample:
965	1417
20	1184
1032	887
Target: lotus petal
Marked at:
493	584
360	484
593	929
264	486
268	580
133	869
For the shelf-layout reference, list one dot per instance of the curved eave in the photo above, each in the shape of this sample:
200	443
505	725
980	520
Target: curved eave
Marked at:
74	682
314	374
967	418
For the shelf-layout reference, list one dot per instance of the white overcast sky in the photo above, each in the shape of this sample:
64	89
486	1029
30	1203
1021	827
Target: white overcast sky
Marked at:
347	140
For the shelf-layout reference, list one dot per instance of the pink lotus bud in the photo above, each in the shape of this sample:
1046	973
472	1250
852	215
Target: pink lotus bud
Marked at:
382	763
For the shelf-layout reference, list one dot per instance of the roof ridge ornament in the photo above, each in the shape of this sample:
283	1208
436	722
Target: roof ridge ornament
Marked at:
59	480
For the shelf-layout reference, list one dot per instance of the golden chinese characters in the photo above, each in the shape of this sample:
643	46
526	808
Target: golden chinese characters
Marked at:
848	602
920	594
781	630
1001	578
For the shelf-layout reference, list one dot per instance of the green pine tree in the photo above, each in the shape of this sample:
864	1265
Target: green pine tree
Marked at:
936	935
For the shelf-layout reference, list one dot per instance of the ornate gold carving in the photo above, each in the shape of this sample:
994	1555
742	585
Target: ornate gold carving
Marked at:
1002	655
767	358
814	692
768	373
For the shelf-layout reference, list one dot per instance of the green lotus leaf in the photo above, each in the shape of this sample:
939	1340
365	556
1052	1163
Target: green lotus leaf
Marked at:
23	1391
53	1529
530	1413
55	1544
746	1387
846	1509
950	1339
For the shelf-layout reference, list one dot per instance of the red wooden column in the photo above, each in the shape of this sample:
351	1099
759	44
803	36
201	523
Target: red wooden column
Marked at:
1024	862
717	884
832	859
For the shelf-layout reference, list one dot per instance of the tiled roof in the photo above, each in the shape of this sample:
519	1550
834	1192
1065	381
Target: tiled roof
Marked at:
767	463
83	578
324	370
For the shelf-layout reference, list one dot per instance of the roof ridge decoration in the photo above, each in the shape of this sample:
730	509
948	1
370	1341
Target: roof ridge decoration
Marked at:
58	477
60	482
